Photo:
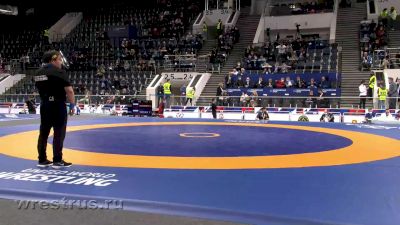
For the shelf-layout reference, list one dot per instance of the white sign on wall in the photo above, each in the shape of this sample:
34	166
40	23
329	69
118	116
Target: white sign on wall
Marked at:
179	76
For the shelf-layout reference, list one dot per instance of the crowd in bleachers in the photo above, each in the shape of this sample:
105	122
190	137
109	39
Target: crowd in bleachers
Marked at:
153	33
374	40
108	65
299	55
225	44
240	78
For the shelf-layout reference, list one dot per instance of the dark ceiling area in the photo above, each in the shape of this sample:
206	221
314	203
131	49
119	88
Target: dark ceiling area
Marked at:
47	12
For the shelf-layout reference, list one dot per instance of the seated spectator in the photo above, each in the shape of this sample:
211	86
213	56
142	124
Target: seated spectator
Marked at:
324	83
289	83
270	83
312	84
260	83
280	83
300	82
239	82
229	81
248	83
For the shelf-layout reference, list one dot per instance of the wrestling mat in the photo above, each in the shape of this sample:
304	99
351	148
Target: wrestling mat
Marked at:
240	171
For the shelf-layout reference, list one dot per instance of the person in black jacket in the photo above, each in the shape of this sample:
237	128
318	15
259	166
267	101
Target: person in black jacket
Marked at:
327	117
220	90
214	108
263	114
54	90
31	104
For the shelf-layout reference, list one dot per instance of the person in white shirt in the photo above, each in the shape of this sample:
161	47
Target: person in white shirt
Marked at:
386	117
281	51
363	94
244	99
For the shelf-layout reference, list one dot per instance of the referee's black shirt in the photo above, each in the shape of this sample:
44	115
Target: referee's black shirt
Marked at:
50	81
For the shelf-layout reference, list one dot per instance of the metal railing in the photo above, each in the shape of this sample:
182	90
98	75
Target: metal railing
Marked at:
235	101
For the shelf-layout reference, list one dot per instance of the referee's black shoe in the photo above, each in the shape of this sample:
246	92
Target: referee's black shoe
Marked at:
62	164
45	163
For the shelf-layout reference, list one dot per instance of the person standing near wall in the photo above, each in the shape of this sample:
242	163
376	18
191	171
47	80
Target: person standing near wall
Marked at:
371	85
160	94
167	93
183	94
214	108
382	94
384	17
219	28
189	95
393	94
363	94
205	30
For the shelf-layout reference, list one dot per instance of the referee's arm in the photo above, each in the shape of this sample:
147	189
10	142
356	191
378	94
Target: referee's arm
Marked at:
70	94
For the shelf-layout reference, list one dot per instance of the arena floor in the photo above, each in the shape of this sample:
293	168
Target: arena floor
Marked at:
244	172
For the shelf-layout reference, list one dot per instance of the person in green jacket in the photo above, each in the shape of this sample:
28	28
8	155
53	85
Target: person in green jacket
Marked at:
190	91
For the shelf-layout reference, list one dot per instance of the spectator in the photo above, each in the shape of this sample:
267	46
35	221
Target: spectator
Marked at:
219	27
310	101
300	82
244	99
384	17
324	83
280	83
260	83
220	91
392	16
239	82
254	101
289	83
270	83
312	84
248	83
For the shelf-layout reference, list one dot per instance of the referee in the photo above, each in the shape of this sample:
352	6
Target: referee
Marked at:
54	89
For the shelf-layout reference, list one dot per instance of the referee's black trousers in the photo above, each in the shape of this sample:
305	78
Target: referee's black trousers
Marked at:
53	114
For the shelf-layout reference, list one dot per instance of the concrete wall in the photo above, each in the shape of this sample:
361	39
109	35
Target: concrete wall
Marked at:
309	21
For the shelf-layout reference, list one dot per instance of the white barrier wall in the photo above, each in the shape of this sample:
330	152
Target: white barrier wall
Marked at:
10	81
64	26
211	18
279	116
394	73
322	23
200	85
308	21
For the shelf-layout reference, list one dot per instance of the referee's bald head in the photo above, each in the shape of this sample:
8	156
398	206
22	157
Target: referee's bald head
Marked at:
50	56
